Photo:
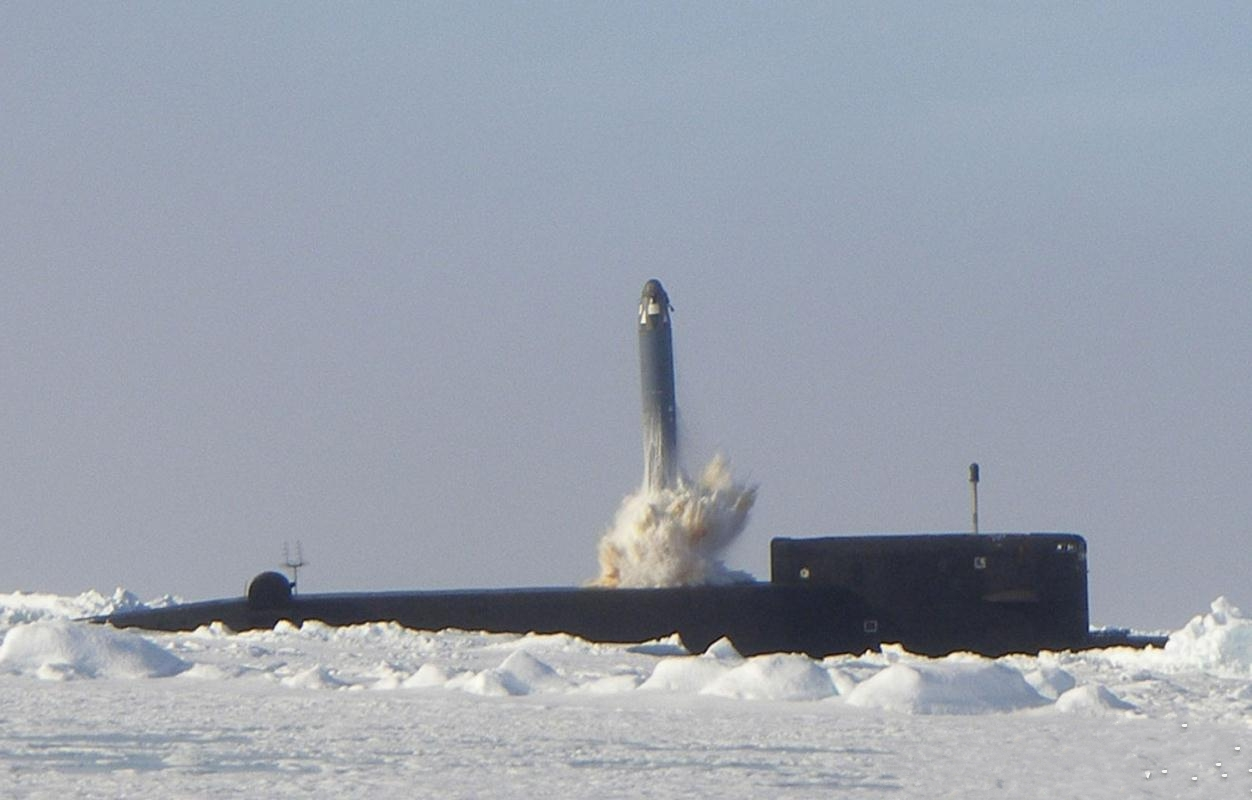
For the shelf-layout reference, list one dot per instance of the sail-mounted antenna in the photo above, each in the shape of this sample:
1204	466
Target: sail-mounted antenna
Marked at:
294	564
973	484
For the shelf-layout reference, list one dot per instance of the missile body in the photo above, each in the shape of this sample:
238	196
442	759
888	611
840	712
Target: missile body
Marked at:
660	410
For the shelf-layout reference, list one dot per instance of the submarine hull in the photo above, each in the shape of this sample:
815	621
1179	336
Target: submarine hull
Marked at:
757	617
933	594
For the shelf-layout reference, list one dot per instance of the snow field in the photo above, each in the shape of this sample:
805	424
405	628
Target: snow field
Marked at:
379	710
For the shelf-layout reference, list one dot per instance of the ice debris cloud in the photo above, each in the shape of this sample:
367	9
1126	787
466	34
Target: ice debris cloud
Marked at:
675	536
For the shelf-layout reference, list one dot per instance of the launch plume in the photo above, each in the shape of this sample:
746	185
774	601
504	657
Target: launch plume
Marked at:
675	535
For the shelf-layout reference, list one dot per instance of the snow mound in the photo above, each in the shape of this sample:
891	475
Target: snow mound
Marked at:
1220	640
1091	699
316	677
843	681
611	684
19	608
428	676
723	650
774	677
946	687
685	674
520	674
528	675
671	645
214	630
692	674
387	677
60	650
210	672
366	632
552	643
488	683
1050	681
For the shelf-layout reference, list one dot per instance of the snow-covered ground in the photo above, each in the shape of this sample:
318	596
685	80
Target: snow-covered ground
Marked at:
383	711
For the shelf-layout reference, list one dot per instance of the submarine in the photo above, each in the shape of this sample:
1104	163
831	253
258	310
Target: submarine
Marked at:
931	593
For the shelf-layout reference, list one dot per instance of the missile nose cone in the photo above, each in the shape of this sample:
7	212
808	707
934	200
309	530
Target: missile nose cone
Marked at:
654	305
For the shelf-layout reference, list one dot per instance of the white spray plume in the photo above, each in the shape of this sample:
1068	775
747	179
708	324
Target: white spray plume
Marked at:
674	535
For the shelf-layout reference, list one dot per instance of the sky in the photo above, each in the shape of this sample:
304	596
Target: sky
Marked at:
365	277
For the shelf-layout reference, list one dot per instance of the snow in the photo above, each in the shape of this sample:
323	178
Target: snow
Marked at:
685	675
778	676
379	710
1090	699
1049	680
946	687
19	607
60	649
1220	641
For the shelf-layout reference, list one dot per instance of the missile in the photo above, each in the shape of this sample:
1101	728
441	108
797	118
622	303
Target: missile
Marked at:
656	369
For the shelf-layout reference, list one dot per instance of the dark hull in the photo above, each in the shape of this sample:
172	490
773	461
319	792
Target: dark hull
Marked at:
758	618
932	594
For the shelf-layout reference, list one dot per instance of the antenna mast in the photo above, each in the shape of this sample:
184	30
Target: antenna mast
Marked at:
973	484
294	564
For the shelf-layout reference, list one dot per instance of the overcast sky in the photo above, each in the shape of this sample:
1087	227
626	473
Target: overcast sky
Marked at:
365	276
